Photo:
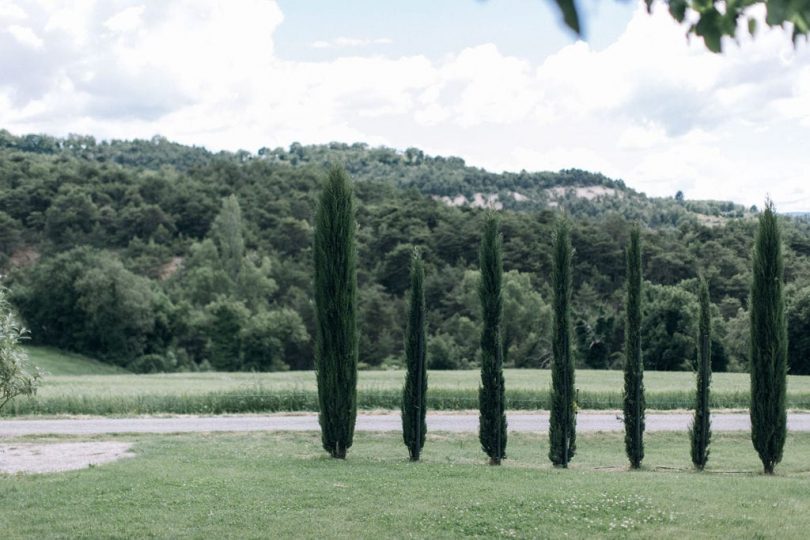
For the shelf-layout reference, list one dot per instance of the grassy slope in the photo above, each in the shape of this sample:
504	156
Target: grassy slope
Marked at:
283	485
56	362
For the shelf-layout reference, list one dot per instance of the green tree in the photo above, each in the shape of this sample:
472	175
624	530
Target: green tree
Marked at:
393	274
491	394
563	419
526	323
228	234
414	394
768	343
71	215
798	320
599	340
15	380
87	301
269	338
738	341
443	353
633	365
700	432
255	286
201	280
380	316
226	318
336	304
668	328
122	313
9	236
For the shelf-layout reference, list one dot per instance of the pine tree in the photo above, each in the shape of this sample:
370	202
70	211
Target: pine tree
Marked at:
414	403
562	422
335	302
700	433
633	366
491	396
768	343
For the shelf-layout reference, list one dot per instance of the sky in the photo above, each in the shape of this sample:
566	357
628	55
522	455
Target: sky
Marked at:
500	83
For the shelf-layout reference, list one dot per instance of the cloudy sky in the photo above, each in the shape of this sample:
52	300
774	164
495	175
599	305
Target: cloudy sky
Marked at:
499	83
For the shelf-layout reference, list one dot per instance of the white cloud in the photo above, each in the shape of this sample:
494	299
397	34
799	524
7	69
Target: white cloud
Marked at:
25	36
344	42
127	20
11	12
483	86
660	112
642	136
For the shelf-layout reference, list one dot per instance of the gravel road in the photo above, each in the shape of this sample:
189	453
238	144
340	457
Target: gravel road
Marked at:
458	422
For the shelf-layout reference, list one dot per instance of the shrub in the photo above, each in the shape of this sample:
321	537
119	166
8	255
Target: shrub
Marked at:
15	380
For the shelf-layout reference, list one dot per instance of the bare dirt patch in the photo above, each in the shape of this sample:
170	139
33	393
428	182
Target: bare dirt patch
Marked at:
24	257
170	268
583	192
37	458
711	221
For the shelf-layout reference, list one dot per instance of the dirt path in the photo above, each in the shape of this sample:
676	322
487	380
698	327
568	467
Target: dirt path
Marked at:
458	422
56	457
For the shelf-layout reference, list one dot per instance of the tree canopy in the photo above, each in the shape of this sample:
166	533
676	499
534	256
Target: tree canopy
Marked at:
203	260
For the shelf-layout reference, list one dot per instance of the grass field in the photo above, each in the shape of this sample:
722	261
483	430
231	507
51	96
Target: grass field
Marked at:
56	362
262	485
114	393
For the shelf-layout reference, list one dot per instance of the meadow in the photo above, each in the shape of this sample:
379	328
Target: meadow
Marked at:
283	485
78	385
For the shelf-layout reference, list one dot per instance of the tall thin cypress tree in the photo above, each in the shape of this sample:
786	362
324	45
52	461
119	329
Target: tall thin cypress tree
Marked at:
700	432
227	230
768	343
414	403
335	303
491	395
633	366
562	422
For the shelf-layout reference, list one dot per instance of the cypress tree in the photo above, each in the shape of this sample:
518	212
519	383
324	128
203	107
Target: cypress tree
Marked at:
335	303
227	230
633	366
491	397
562	422
414	404
700	433
768	343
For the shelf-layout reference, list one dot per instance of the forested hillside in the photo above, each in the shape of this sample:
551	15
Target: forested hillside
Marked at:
157	256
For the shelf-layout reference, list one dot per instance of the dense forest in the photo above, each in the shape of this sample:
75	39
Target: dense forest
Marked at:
157	256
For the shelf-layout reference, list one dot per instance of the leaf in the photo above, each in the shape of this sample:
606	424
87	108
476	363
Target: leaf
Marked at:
752	26
570	15
709	28
677	8
800	23
777	12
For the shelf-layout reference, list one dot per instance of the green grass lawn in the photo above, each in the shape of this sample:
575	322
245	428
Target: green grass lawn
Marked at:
264	485
96	388
56	362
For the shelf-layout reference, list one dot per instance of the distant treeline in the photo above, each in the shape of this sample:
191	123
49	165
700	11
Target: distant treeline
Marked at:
157	256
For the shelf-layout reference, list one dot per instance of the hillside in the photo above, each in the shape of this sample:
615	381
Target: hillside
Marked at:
447	179
54	362
158	256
